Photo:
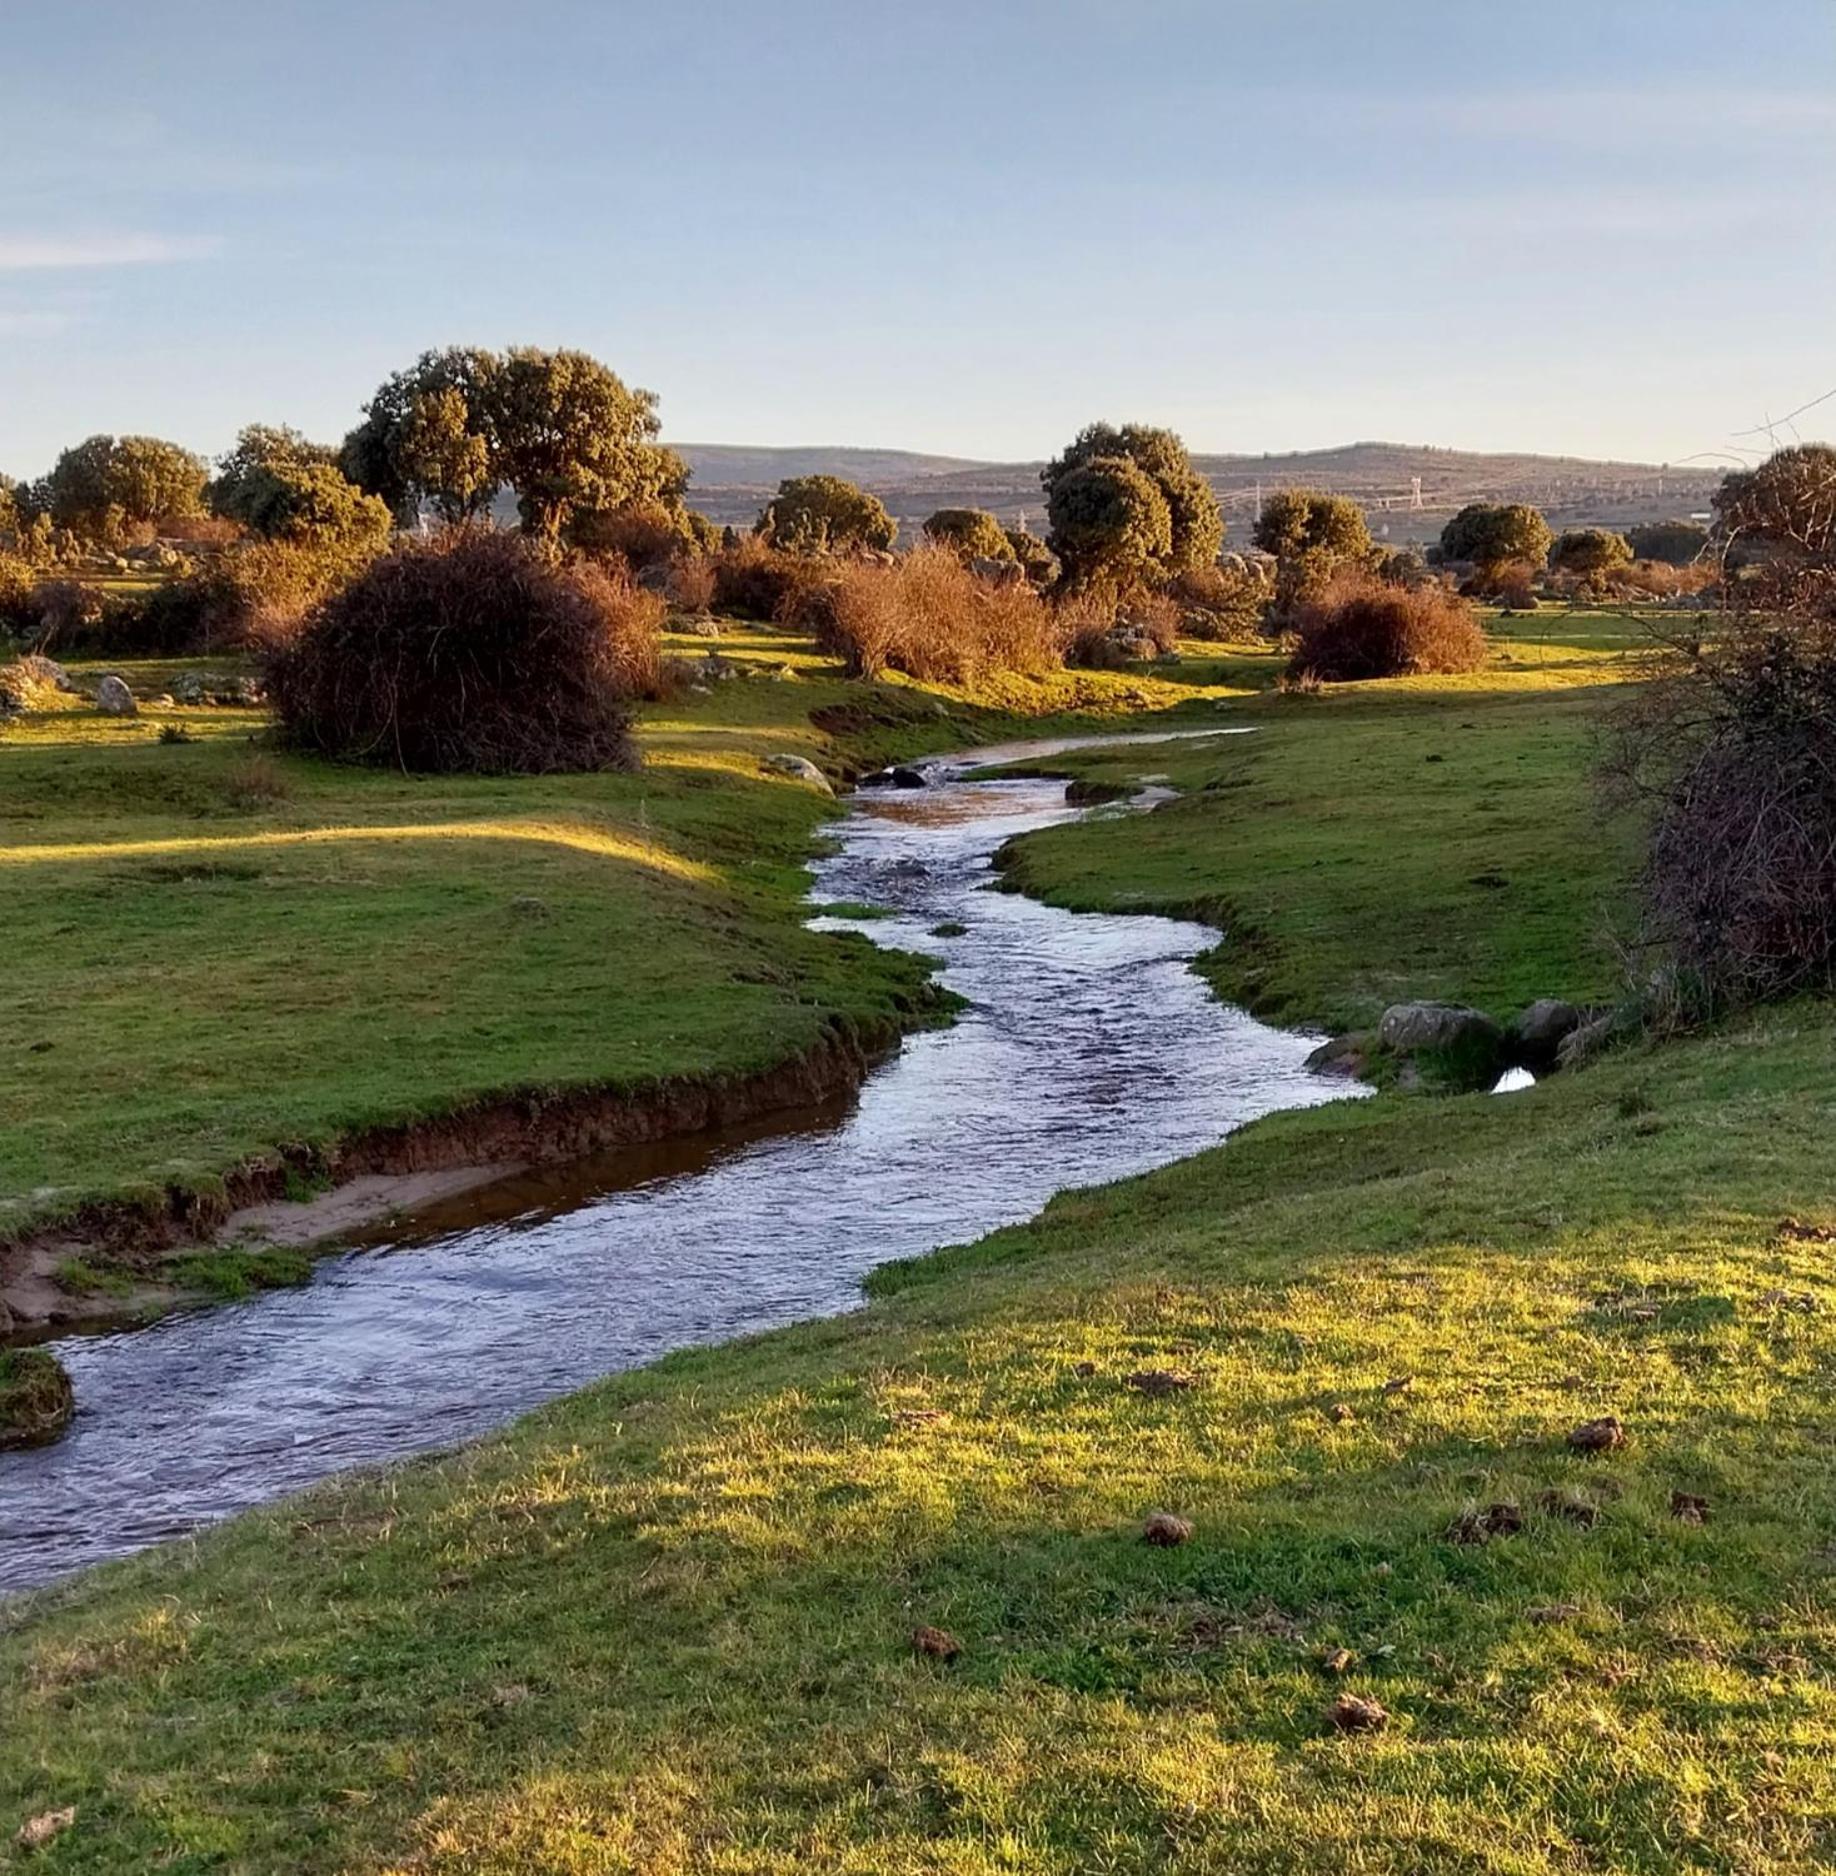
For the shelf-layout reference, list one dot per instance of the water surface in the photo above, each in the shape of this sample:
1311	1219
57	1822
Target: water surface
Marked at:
1089	1051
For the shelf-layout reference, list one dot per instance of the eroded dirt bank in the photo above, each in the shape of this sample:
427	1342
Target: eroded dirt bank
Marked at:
146	1250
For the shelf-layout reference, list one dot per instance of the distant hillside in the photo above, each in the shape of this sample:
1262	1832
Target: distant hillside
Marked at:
731	483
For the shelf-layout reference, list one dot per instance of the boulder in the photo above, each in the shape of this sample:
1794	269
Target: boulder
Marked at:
1583	1044
802	768
190	687
998	572
701	628
1539	1032
1408	1028
114	699
1341	1055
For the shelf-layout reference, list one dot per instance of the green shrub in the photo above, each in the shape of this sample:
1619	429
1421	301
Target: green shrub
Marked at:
1110	523
1674	543
1592	554
825	514
1037	560
1313	536
1490	535
1195	523
971	533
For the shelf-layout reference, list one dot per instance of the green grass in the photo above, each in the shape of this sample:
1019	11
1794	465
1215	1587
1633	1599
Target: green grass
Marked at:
664	1625
1376	842
214	949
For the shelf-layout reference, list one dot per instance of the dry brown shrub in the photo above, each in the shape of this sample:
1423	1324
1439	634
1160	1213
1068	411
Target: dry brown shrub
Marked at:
473	652
1513	586
1358	627
692	584
930	617
1218	604
1085	620
751	578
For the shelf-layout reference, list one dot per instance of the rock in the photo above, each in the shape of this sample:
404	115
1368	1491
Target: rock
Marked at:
1540	1031
1581	1046
1158	1382
1341	1055
1165	1531
36	1399
38	1831
938	1643
1354	1713
114	699
802	768
1337	1661
701	628
189	687
900	775
1410	1027
1605	1435
998	572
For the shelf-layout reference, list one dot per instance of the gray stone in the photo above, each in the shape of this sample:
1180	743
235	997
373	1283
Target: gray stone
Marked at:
701	628
998	572
1409	1027
114	699
1341	1055
802	768
1539	1032
1580	1046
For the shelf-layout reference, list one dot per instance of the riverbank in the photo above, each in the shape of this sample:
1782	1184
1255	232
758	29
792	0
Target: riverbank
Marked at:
669	1622
244	974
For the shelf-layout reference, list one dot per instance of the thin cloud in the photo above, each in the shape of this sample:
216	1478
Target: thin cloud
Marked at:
41	253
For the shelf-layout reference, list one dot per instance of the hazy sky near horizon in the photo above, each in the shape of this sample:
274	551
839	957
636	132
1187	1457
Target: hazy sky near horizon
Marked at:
967	226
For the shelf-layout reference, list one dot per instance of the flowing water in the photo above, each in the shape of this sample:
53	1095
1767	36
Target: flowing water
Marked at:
1089	1050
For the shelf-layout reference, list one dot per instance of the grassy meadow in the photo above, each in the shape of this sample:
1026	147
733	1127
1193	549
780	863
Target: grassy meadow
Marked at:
666	1625
216	948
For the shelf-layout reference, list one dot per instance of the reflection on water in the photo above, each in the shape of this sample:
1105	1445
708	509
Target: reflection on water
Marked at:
1089	1051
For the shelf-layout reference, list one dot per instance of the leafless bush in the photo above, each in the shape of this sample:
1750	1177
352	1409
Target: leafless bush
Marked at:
474	652
692	585
933	619
1086	621
751	578
1732	752
1358	627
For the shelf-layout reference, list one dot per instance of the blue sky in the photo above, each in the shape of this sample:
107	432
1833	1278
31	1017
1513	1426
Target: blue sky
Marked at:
1606	228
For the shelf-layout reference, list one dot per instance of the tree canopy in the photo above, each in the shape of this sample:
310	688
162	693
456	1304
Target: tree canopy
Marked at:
1110	521
1489	534
1677	543
106	481
813	514
1591	552
560	428
1302	523
973	533
1195	523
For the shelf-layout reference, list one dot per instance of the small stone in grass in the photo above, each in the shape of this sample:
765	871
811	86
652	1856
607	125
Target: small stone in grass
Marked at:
1157	1382
1605	1435
938	1643
1340	1411
38	1831
1165	1530
1687	1508
1337	1660
1354	1713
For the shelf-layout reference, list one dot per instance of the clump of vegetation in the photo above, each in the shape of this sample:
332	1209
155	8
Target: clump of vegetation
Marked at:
1362	627
1126	504
1312	536
1218	603
560	428
279	486
1506	542
826	515
36	1400
751	578
973	533
930	617
476	652
1732	750
1591	555
1037	560
107	487
29	683
1674	543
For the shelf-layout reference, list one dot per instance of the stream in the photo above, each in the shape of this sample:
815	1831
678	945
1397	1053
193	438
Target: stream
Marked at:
1089	1051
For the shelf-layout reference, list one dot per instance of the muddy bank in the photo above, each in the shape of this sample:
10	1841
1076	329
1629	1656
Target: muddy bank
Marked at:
131	1246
